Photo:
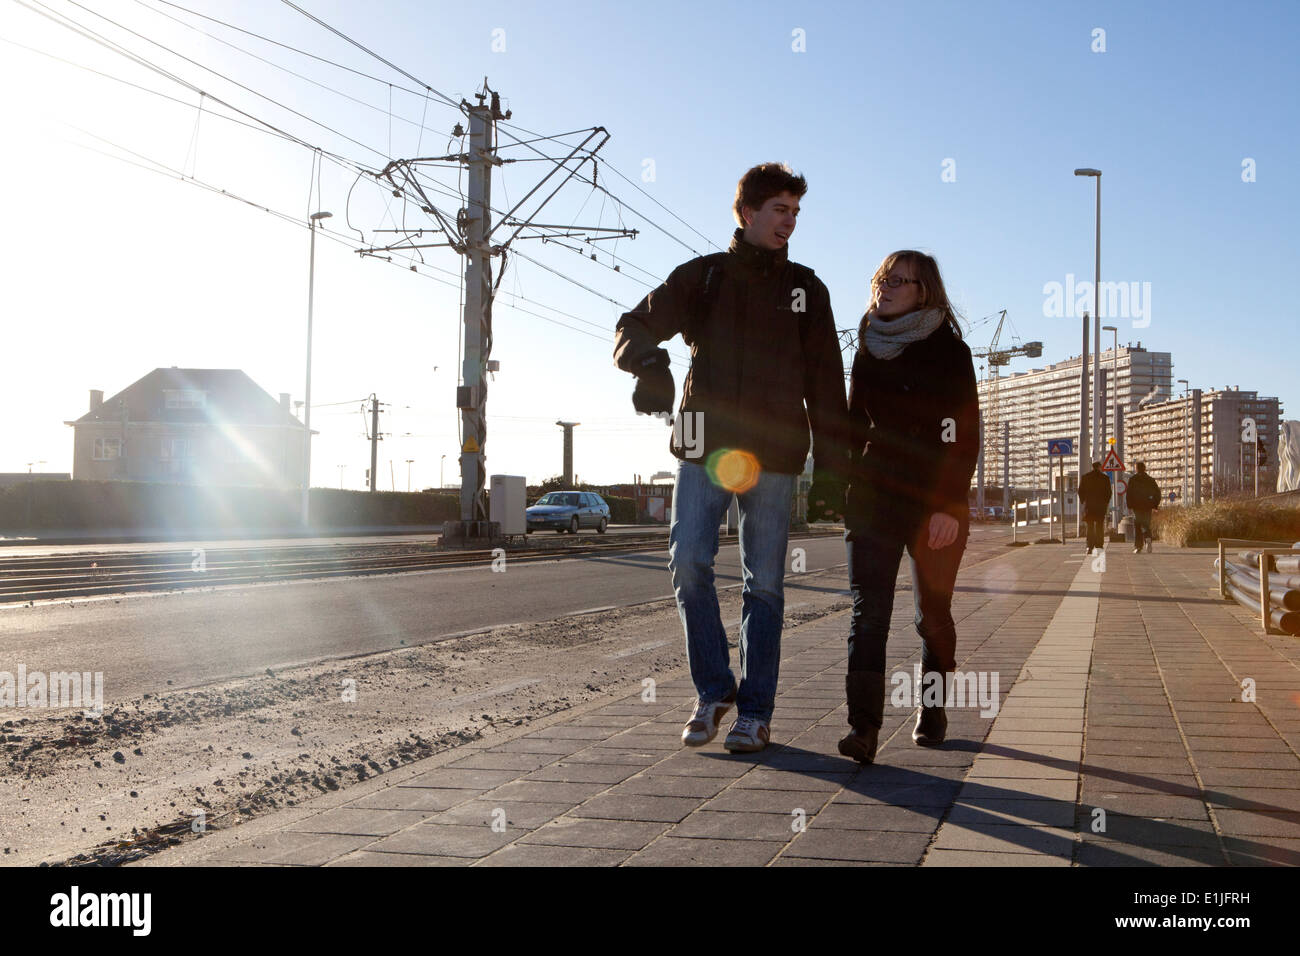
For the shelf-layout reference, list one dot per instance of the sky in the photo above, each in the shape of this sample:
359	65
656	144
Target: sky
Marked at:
137	233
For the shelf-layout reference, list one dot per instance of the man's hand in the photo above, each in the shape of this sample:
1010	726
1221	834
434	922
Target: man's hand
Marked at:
826	498
943	530
655	390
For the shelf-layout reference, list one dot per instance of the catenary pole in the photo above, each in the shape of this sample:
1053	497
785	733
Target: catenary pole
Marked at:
374	438
470	397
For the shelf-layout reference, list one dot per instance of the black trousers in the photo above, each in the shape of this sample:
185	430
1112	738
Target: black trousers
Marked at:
875	550
1141	528
1096	528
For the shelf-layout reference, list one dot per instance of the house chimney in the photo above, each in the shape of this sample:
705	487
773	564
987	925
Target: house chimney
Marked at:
284	401
96	399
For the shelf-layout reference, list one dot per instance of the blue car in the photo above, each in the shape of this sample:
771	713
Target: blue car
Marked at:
568	511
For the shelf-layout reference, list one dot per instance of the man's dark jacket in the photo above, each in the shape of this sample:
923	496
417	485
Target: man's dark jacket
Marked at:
755	360
914	422
1094	492
1143	493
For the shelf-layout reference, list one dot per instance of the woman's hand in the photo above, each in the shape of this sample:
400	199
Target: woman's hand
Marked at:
943	530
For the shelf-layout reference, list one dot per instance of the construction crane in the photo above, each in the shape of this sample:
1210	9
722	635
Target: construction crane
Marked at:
992	412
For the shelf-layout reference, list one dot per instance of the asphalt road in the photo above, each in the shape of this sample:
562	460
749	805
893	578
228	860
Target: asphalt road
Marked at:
30	547
157	642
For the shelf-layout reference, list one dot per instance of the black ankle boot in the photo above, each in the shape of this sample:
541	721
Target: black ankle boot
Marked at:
865	692
932	722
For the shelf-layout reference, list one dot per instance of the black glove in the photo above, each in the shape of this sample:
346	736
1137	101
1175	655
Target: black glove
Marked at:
826	497
655	390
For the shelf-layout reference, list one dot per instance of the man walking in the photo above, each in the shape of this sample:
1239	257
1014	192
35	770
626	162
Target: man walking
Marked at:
1094	497
765	370
1142	497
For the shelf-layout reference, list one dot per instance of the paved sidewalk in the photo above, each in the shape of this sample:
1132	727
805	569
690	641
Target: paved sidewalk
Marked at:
1120	738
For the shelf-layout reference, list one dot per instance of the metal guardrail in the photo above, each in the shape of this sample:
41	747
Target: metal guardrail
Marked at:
1265	579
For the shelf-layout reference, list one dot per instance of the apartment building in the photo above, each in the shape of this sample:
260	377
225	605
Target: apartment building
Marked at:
1038	405
1232	425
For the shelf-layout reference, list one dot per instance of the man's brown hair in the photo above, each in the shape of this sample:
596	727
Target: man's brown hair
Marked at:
761	183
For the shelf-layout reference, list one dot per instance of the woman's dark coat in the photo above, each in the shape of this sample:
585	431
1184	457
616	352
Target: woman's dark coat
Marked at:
914	422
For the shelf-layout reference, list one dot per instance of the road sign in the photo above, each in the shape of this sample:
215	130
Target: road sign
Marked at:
470	447
1112	462
1060	446
1121	486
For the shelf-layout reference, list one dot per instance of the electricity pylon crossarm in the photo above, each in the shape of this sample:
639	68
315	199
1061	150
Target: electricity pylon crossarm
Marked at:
470	232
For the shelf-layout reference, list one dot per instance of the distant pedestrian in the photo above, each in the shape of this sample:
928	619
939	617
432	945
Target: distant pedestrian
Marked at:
1094	496
914	422
1142	497
765	372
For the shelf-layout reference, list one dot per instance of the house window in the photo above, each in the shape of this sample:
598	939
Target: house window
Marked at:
106	448
185	398
177	455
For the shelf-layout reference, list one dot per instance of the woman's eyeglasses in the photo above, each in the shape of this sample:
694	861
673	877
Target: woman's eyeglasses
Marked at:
895	281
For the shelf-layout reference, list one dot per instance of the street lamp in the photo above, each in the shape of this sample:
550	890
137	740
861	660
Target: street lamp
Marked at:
442	461
340	468
1114	396
1186	404
408	473
306	438
1096	318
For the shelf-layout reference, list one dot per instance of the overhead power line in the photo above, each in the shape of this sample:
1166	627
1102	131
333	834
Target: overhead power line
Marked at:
278	66
217	73
359	46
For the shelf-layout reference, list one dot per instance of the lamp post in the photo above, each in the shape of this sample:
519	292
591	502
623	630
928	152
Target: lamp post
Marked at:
340	468
306	439
442	461
1183	382
408	473
1096	318
1114	397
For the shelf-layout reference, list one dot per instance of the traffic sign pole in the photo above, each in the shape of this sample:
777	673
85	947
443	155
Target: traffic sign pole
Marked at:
1059	447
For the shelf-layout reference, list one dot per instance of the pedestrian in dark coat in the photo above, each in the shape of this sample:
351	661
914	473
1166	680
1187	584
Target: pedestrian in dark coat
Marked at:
1094	496
1142	497
914	426
765	374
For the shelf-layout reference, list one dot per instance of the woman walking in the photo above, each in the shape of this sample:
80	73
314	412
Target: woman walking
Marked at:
914	420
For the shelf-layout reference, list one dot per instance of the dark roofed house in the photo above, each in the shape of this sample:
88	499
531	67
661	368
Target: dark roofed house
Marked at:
196	425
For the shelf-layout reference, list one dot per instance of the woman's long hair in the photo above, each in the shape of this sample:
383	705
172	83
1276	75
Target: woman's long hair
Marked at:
933	293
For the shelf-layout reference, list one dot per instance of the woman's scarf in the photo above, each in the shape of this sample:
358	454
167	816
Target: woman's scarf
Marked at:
887	339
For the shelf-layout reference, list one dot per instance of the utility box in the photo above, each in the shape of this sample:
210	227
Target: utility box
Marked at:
508	501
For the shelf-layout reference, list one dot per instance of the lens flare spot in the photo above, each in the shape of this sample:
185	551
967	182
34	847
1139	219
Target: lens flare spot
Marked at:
733	469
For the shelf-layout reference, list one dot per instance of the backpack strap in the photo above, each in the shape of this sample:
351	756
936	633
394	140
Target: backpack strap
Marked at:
706	293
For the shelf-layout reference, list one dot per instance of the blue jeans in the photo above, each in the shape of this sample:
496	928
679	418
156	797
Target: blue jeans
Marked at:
699	506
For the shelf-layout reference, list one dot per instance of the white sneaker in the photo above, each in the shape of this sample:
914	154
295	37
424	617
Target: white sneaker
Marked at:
747	735
703	725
